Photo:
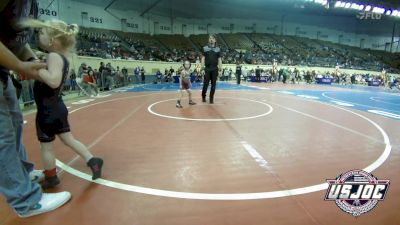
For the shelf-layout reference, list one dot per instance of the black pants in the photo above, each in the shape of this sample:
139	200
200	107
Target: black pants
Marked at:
143	79
209	75
238	76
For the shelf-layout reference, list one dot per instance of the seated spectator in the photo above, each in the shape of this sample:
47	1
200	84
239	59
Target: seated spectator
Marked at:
89	83
158	76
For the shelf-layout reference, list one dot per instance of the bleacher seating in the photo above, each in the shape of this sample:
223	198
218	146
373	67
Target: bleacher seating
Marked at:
244	48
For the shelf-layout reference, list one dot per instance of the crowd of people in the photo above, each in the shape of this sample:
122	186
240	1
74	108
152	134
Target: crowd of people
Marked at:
286	50
295	75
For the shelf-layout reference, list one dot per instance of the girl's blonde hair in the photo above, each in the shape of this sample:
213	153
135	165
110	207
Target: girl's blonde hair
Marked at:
56	29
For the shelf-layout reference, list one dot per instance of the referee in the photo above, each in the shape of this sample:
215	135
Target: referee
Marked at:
211	63
238	73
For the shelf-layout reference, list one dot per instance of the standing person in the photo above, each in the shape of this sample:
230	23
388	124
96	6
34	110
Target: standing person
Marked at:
142	75
238	73
159	76
118	77
244	73
384	77
72	80
109	76
23	195
101	77
57	38
297	75
258	74
285	75
336	73
211	63
136	73
280	74
125	75
185	84
275	70
83	69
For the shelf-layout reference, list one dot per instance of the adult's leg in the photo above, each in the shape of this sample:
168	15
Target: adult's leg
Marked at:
17	120
214	76
238	78
15	184
206	82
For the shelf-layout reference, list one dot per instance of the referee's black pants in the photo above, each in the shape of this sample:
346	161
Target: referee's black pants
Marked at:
209	75
238	76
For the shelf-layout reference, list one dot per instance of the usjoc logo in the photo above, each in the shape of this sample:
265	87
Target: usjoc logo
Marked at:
356	192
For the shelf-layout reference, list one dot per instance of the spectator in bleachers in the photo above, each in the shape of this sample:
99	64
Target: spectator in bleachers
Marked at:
303	51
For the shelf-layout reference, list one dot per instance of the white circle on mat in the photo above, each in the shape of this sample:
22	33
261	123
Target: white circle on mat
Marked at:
270	109
234	196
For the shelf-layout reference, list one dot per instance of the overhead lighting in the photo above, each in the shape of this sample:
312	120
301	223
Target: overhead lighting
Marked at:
378	10
354	6
337	4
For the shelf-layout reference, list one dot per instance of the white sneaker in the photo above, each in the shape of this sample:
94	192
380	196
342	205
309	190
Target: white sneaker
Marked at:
48	202
36	176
